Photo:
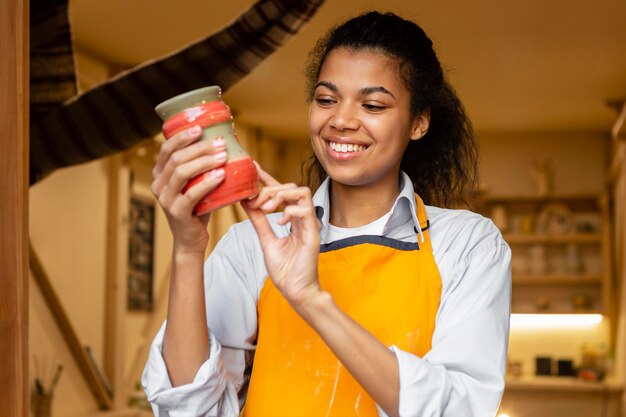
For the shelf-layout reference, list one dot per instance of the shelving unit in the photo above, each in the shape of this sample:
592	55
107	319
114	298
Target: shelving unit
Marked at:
561	251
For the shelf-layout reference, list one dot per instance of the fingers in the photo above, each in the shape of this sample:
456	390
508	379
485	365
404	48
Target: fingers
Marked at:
260	223
294	212
272	197
297	202
183	173
266	179
302	217
178	141
181	205
183	160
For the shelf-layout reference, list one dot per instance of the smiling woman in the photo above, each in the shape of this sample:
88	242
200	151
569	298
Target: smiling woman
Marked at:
403	78
357	103
355	299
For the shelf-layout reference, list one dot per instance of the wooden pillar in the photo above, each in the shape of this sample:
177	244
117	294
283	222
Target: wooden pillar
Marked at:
116	277
14	208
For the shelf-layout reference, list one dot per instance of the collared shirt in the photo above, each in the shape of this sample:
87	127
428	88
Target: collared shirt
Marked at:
399	223
462	375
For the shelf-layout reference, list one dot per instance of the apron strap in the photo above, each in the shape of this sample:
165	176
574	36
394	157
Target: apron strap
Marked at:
422	218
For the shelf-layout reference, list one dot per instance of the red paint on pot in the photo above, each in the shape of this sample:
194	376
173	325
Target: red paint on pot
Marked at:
240	182
203	115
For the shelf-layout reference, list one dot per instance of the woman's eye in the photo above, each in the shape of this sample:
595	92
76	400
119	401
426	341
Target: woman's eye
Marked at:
373	107
324	101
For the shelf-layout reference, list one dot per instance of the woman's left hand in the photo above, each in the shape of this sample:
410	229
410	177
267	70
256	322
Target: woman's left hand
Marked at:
291	261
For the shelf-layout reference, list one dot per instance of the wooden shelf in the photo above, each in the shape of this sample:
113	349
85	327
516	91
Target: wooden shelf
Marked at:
566	227
578	238
557	279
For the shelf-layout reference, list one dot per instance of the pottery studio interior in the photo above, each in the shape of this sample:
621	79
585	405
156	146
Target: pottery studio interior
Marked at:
543	85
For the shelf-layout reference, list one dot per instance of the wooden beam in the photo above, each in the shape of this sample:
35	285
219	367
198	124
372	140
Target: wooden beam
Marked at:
90	373
14	208
116	275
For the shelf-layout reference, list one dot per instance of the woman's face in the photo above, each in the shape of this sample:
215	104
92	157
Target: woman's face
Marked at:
360	121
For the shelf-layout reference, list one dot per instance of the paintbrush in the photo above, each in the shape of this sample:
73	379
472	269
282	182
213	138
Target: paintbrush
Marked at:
38	387
55	379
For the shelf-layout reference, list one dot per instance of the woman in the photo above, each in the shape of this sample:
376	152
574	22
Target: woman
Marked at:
361	299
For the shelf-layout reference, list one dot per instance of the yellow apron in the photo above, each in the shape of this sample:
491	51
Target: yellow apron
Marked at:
391	288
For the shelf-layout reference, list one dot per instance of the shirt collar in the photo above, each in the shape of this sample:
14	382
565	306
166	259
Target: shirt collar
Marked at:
402	210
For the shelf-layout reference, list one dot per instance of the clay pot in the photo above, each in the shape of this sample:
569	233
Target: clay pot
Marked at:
204	107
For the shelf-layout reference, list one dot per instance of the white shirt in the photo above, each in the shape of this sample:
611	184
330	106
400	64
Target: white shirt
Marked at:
461	376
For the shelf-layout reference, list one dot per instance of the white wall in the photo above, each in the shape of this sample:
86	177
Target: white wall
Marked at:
67	229
580	161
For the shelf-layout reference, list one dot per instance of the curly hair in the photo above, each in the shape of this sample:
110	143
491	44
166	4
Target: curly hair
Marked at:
443	165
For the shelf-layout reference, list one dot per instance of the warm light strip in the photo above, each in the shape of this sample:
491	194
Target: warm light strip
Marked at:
535	321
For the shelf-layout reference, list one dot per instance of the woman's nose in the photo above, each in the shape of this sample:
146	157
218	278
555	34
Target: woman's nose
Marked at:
344	118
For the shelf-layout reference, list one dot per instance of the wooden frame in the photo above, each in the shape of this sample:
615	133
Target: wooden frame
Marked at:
140	254
14	21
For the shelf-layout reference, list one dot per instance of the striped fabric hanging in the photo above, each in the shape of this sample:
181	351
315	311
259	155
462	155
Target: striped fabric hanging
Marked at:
115	115
52	69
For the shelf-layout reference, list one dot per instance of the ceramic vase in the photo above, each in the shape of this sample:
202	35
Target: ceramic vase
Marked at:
204	107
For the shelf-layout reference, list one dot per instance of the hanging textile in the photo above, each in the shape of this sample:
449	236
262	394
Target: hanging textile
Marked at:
119	113
52	68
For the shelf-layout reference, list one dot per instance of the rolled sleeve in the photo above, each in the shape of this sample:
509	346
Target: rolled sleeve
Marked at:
231	289
463	374
209	394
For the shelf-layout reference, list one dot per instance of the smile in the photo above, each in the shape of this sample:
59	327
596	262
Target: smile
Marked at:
345	147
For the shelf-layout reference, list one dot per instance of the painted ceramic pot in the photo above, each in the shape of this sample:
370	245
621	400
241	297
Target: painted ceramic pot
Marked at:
204	107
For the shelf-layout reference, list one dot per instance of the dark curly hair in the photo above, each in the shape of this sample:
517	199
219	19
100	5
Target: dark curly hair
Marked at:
443	164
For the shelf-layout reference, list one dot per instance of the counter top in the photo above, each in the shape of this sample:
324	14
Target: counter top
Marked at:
563	384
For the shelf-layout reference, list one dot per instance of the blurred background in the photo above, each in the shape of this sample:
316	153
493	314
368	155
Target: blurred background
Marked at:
544	83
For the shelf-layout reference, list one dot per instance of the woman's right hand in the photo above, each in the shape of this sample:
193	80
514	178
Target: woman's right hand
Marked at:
181	158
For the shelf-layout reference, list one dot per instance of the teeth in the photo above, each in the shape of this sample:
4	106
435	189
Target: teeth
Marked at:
338	147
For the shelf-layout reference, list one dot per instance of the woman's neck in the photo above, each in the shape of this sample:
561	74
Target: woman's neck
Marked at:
355	206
